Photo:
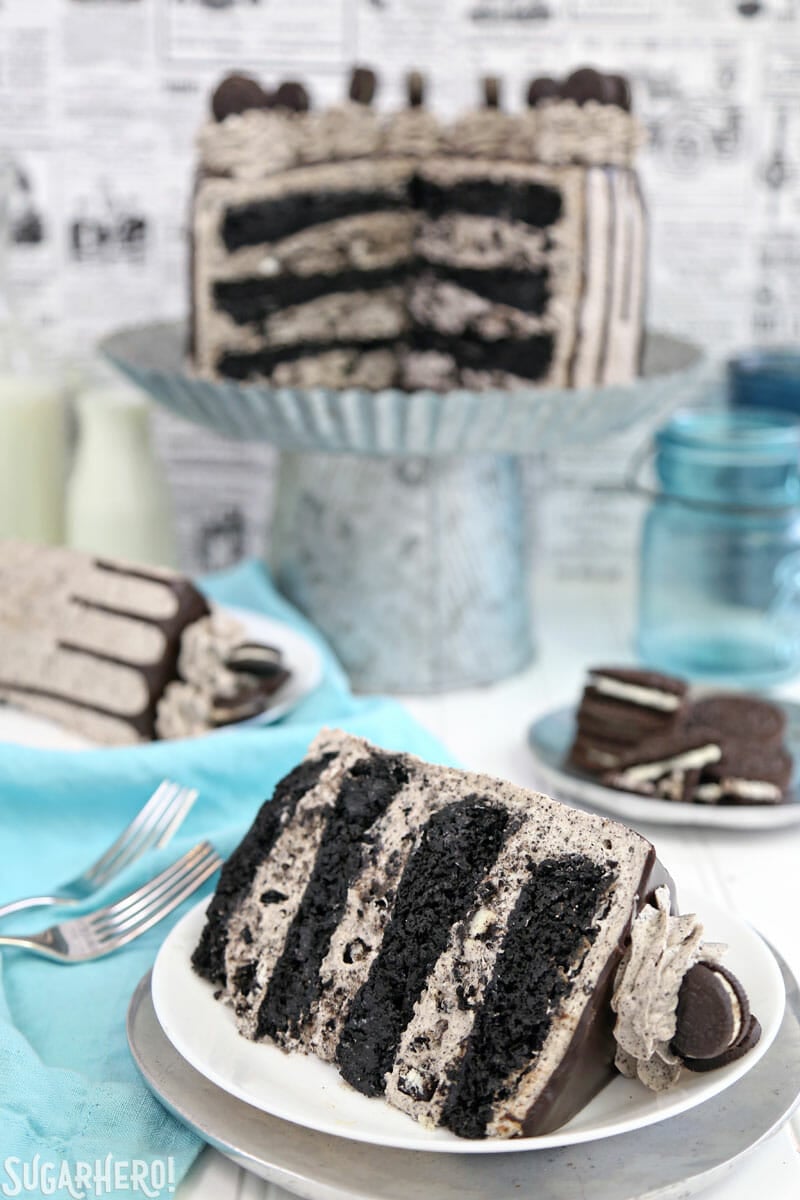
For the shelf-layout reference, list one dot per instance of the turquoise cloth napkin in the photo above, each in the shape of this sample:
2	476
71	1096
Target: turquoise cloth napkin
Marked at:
69	1091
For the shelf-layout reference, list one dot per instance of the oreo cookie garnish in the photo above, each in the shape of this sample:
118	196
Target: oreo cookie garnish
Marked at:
620	91
750	1037
249	701
712	1015
586	84
254	658
237	94
363	85
292	95
542	88
491	91
415	89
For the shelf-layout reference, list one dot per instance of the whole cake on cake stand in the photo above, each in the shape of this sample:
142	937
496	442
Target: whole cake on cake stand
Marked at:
404	307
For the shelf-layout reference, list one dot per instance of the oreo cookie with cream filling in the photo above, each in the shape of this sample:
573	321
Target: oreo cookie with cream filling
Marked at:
667	767
740	718
746	774
594	755
714	1025
651	690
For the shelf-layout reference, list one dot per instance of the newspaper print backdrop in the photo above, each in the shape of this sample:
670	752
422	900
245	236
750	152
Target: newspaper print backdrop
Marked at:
100	99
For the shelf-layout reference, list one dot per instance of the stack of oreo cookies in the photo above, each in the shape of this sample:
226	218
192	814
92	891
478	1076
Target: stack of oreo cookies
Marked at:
637	731
622	707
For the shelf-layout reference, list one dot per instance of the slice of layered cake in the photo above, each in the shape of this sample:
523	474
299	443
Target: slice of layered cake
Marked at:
350	248
454	944
119	653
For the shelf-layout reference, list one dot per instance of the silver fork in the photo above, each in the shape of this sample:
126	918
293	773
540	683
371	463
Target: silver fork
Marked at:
101	932
154	825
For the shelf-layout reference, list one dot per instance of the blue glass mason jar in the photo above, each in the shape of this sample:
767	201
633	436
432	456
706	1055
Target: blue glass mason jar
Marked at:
720	565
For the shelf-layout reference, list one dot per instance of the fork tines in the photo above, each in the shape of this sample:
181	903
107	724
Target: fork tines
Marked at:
154	825
126	919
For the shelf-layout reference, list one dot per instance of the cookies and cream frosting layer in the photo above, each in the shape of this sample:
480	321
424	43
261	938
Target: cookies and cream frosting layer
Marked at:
261	142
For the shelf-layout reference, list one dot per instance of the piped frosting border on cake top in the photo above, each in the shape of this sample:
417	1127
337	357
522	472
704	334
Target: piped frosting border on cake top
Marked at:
585	119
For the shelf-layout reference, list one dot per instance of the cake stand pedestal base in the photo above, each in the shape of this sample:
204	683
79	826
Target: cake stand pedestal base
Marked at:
414	568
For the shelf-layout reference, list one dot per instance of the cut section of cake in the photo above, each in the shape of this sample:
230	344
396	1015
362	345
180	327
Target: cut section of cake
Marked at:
346	247
449	941
121	653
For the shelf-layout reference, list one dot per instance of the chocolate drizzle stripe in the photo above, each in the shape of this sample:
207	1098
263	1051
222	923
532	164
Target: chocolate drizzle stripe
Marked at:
138	721
583	258
99	655
612	241
456	847
364	794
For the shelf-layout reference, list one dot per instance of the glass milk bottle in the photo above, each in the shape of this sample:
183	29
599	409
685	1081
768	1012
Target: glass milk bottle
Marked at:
32	418
117	499
32	457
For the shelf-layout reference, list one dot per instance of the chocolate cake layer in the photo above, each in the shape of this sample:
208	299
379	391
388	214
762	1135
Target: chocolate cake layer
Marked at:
253	299
265	363
528	358
531	203
364	794
239	870
560	902
457	846
265	221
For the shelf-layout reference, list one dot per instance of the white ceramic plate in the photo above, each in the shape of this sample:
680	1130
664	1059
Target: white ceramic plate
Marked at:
308	1092
550	738
302	659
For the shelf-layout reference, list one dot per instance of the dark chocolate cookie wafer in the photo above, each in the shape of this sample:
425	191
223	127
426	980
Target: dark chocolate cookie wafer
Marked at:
750	1037
594	756
713	1012
667	767
746	774
646	689
740	718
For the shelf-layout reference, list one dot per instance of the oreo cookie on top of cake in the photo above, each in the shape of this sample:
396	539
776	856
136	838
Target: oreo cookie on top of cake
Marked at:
639	731
478	955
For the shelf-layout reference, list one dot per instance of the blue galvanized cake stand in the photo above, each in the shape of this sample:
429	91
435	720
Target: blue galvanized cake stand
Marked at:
400	523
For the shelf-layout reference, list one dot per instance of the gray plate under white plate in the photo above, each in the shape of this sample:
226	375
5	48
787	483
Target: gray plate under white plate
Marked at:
667	1161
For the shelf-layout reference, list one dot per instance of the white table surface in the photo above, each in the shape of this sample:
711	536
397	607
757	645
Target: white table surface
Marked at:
756	875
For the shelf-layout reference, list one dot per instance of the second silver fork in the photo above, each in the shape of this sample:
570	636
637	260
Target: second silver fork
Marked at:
101	932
